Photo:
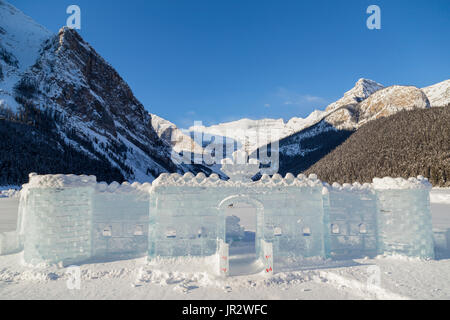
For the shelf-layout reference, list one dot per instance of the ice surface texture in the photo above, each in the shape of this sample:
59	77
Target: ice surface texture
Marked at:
187	214
404	218
120	220
351	225
58	225
72	219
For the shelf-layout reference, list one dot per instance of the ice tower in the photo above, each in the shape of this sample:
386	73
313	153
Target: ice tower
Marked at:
58	219
404	217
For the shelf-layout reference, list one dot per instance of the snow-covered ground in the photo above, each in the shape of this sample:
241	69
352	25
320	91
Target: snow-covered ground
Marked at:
380	278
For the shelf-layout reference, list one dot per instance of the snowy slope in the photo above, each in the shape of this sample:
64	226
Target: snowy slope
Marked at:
438	94
304	141
20	42
382	103
60	78
252	134
179	139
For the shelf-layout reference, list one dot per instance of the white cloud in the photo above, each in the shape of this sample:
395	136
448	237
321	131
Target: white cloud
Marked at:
289	97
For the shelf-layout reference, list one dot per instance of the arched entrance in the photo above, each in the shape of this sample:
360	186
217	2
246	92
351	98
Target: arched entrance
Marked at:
242	220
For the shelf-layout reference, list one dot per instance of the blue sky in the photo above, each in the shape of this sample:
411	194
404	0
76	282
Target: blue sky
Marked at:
222	60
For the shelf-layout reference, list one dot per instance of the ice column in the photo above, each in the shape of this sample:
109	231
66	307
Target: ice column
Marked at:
404	217
58	219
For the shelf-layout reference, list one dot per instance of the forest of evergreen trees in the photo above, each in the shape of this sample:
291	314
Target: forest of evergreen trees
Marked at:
407	144
31	144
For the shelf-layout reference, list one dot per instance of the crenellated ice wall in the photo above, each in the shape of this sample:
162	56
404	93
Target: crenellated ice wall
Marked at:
187	214
58	219
351	221
404	217
73	219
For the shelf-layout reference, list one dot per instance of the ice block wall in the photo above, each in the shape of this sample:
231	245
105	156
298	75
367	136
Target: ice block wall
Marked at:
120	220
404	217
293	216
72	219
58	219
183	217
187	214
351	222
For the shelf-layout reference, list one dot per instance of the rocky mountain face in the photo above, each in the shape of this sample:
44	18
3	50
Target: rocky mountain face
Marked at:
65	92
382	103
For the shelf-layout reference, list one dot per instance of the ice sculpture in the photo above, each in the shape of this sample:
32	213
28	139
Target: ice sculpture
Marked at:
58	219
120	220
73	219
187	213
404	220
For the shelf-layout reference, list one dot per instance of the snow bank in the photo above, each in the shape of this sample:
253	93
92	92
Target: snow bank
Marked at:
440	195
213	180
389	183
124	188
60	181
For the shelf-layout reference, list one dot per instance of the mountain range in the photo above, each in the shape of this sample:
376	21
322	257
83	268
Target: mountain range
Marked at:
64	109
72	105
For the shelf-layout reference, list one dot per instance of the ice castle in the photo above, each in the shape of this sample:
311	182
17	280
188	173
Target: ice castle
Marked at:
72	219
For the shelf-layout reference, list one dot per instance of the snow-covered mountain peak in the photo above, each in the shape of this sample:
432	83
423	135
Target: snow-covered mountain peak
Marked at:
361	91
21	36
252	134
383	103
86	107
438	94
